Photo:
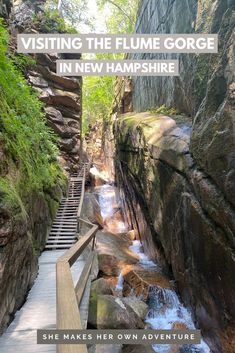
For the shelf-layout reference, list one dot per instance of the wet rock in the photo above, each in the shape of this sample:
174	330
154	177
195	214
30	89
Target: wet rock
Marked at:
142	280
113	253
109	264
108	312
179	326
179	210
137	305
131	348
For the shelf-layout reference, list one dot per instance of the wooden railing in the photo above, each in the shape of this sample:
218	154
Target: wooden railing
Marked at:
69	297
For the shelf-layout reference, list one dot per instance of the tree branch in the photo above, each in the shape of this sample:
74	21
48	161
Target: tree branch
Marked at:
120	9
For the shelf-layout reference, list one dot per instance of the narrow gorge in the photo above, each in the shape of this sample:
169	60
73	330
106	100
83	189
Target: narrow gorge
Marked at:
160	154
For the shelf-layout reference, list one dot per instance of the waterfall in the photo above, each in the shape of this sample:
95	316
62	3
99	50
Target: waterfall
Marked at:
165	309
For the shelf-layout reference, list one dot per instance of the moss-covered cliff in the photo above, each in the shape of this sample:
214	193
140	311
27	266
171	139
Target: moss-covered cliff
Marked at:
30	182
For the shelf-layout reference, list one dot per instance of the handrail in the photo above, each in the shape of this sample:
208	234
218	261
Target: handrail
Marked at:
69	298
83	192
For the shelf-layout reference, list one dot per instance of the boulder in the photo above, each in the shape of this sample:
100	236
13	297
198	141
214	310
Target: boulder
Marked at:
137	305
109	264
142	280
108	312
100	286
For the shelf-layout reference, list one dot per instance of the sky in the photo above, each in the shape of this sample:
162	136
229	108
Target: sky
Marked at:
98	16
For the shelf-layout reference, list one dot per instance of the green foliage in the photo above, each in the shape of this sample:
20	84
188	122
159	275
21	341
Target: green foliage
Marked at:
122	16
98	92
164	110
97	99
28	143
51	21
22	61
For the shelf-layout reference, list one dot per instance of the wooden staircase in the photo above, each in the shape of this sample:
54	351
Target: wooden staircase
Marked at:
63	232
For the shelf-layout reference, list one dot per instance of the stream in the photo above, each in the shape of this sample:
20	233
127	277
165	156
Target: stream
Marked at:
166	310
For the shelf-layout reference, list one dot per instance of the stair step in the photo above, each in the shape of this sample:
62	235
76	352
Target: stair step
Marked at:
64	222
62	233
64	226
67	237
60	246
60	241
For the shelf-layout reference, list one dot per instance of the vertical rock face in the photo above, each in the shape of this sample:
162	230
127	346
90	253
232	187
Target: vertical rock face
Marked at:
178	176
174	16
5	7
61	95
182	217
22	238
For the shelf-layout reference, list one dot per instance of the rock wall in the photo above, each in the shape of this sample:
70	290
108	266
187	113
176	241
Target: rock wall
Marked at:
186	92
182	218
178	173
61	95
22	238
5	7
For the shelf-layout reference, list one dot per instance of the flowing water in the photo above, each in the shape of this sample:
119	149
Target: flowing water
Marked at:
165	308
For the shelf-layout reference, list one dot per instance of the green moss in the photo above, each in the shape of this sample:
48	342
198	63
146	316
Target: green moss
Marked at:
164	110
29	145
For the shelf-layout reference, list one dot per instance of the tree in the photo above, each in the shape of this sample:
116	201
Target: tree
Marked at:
98	92
122	14
73	11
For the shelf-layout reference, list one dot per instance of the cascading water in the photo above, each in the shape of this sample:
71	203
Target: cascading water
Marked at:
165	309
144	261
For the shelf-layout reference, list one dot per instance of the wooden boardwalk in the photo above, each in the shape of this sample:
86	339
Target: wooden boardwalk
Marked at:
39	310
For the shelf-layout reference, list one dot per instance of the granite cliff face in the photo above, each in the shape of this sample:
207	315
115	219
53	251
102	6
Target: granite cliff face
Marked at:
177	172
